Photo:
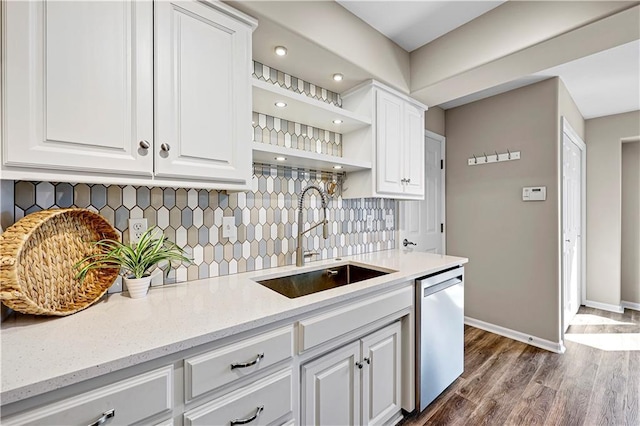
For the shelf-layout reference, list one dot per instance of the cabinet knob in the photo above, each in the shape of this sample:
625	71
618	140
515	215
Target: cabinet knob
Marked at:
368	360
408	180
359	364
165	147
145	144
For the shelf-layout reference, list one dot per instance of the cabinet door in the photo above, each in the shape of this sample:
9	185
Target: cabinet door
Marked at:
389	160
331	388
203	104
413	150
381	391
78	83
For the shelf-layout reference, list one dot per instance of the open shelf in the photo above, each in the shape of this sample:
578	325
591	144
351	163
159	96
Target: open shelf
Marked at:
303	109
265	153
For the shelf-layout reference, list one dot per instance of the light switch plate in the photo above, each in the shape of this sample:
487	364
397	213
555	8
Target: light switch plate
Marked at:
389	221
229	229
369	222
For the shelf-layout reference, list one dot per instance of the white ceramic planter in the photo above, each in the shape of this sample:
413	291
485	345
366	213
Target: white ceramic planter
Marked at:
137	287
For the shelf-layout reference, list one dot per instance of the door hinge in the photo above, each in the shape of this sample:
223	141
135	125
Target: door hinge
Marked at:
441	164
442	227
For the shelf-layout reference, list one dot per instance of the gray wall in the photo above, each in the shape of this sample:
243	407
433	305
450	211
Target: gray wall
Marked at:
630	289
604	199
512	279
568	109
434	120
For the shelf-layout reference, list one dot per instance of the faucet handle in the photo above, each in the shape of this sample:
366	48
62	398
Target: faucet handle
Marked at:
310	253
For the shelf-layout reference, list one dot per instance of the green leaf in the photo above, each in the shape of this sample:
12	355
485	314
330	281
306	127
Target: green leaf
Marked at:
132	259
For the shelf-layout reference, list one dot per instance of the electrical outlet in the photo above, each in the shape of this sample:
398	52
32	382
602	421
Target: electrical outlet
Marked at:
369	222
389	221
136	229
229	229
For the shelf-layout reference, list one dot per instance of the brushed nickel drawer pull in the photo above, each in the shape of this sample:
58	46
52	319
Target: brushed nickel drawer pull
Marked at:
105	416
247	364
248	419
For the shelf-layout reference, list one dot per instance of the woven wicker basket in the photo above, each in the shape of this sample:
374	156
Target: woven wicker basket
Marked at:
37	258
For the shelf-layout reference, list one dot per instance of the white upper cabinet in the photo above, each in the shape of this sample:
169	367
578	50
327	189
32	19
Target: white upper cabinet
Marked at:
413	150
390	160
395	143
203	93
78	85
85	82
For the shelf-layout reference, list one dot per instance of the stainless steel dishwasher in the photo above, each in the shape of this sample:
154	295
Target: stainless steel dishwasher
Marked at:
439	333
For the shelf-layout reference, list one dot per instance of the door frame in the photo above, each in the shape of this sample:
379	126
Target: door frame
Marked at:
443	197
577	140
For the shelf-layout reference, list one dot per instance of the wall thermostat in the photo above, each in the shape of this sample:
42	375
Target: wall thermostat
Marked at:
534	193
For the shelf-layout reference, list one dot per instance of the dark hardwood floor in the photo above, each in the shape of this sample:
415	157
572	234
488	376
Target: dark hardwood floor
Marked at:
505	382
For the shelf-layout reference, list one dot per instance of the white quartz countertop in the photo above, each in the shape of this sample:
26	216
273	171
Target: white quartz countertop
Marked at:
41	354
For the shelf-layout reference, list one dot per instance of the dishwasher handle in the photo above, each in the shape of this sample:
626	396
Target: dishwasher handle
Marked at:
427	291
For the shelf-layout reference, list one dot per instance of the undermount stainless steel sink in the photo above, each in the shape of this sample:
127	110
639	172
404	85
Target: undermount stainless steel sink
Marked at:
306	283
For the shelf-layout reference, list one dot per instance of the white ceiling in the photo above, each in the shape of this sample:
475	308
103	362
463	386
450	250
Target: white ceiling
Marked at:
412	24
602	84
605	83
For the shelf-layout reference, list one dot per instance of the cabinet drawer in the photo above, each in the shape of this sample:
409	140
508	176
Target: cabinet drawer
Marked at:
322	328
132	400
267	399
213	369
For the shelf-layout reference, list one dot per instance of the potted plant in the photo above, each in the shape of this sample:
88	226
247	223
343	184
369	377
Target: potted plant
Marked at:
134	260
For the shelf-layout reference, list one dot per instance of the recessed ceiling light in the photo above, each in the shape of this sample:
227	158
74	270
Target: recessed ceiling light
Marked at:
338	77
337	121
280	104
281	158
280	50
337	167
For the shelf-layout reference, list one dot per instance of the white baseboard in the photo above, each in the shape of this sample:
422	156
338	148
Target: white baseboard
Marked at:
557	347
604	306
630	305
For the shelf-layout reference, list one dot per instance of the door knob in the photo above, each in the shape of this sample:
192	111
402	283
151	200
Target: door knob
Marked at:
165	147
406	242
145	144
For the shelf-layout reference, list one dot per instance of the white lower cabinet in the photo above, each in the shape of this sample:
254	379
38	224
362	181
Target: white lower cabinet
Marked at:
381	375
359	383
123	403
331	388
260	403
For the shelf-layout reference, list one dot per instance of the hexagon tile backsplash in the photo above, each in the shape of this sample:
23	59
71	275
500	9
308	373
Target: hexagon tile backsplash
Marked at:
265	217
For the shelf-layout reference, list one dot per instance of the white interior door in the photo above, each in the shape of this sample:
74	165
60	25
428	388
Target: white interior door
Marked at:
572	214
423	221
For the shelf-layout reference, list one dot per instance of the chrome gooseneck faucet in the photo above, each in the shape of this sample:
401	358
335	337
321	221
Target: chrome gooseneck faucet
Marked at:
325	223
